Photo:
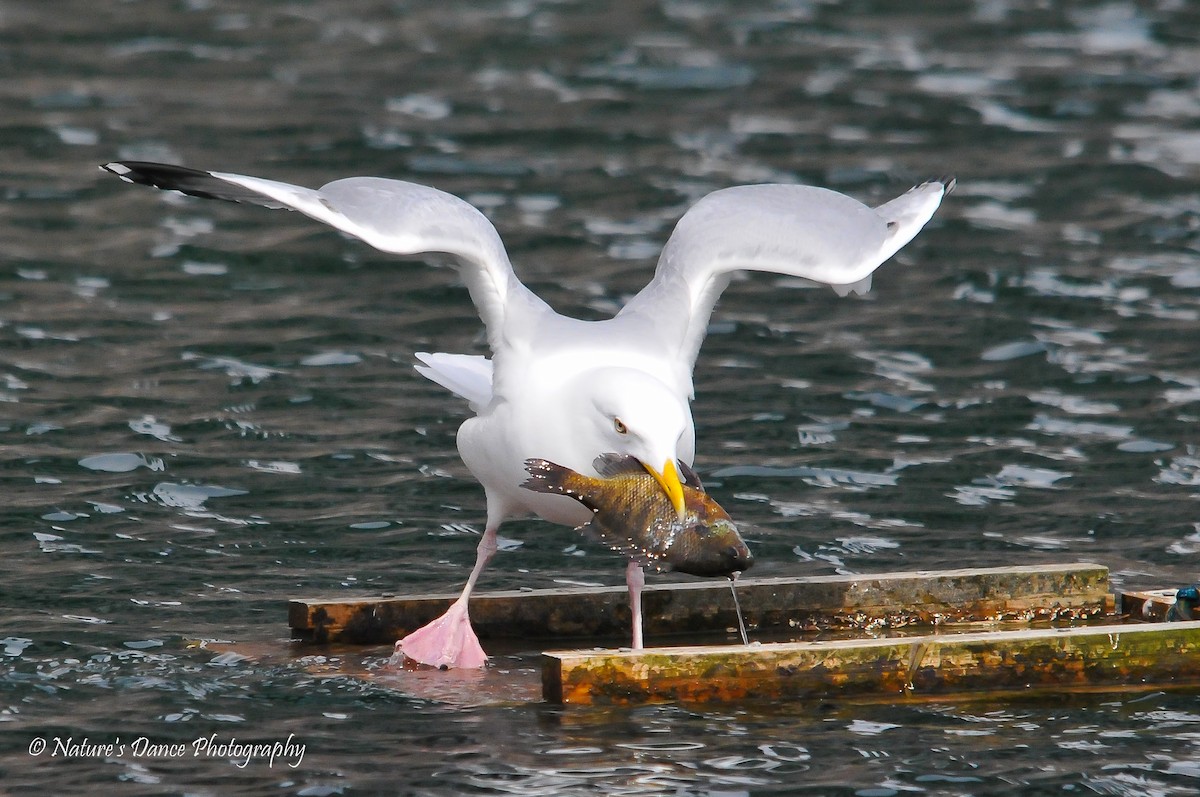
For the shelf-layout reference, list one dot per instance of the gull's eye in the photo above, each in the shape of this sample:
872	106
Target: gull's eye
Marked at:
620	426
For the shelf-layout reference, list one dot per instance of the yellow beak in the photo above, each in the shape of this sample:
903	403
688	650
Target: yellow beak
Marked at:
668	479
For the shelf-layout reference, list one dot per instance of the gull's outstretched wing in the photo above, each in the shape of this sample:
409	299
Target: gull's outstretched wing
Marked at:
391	215
797	230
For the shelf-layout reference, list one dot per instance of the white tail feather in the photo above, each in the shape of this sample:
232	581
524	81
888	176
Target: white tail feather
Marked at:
465	375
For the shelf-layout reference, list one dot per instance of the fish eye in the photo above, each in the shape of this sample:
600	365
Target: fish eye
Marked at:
620	426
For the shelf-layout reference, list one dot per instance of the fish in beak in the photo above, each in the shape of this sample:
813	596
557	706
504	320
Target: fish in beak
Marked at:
668	479
633	515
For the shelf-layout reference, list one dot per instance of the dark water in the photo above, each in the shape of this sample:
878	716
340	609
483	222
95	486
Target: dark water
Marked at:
209	409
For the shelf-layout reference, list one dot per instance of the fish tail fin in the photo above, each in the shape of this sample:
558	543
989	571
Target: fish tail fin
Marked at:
548	477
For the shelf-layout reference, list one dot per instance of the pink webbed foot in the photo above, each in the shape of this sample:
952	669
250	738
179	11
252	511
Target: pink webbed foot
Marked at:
448	641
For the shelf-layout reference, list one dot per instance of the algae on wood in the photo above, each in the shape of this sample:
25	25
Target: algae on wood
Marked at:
1107	656
869	601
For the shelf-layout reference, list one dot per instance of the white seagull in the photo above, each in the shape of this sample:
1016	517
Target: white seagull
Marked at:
567	390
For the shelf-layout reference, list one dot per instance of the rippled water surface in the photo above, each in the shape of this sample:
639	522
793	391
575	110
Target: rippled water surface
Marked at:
208	409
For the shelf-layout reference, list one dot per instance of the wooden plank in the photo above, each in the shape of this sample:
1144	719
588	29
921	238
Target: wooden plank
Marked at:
1106	657
772	605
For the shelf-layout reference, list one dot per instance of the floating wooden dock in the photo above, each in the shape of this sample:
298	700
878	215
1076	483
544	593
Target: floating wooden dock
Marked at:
927	666
806	604
883	636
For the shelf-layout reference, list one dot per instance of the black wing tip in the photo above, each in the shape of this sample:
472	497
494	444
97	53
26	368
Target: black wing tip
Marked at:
947	182
193	182
159	175
121	169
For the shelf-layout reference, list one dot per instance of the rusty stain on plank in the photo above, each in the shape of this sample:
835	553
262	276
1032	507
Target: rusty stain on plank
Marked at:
1086	657
814	603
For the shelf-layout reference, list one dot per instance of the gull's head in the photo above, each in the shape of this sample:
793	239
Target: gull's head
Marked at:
634	414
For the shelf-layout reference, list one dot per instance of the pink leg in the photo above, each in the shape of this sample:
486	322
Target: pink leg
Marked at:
449	641
635	579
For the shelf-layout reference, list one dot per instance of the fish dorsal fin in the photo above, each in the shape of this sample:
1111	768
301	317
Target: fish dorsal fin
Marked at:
689	476
610	465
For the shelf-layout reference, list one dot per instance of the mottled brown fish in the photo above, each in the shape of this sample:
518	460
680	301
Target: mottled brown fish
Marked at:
633	516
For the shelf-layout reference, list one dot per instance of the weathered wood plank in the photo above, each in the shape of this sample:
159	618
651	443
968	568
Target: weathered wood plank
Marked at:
883	600
1109	656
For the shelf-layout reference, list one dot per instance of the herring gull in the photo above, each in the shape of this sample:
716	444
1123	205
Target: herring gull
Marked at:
567	390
